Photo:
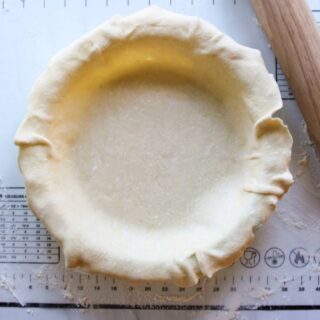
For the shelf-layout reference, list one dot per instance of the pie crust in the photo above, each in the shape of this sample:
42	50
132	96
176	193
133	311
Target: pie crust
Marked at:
149	149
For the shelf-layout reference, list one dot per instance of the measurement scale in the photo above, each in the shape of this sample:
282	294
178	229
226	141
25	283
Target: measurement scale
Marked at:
280	271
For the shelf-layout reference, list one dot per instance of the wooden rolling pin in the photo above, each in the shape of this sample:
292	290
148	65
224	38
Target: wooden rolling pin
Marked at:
295	39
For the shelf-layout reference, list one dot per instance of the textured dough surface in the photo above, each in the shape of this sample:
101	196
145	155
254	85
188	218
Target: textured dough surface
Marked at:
158	154
149	149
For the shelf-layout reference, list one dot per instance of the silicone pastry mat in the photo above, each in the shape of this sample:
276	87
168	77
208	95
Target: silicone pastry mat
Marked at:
280	272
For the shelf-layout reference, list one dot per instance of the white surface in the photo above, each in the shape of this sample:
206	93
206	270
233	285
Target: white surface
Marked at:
31	32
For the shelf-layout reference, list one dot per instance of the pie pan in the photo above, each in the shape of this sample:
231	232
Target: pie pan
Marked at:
149	149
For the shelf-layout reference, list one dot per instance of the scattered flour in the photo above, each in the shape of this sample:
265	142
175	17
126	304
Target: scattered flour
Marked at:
291	219
261	293
9	286
156	298
30	311
83	301
257	22
302	164
67	294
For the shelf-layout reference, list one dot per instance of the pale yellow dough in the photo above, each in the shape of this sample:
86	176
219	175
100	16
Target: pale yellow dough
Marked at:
149	149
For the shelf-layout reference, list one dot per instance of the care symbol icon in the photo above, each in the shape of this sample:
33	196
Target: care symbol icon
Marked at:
317	257
274	257
250	258
299	257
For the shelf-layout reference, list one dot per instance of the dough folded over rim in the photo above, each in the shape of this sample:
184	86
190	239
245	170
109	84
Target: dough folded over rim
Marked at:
173	58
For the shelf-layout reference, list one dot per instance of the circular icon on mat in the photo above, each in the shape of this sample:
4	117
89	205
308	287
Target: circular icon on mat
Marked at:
250	258
299	257
317	257
274	257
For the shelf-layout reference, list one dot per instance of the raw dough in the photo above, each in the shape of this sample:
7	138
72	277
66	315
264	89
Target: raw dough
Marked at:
149	149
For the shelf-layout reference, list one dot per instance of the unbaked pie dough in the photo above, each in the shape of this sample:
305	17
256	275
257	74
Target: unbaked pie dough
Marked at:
149	149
